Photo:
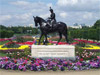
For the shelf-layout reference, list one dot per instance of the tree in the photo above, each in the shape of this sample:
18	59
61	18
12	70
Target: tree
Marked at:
92	33
6	33
97	24
98	34
2	27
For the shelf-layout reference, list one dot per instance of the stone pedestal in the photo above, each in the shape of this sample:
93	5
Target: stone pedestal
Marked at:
53	51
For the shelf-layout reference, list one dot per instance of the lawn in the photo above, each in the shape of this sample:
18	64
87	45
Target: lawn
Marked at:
2	54
4	42
98	53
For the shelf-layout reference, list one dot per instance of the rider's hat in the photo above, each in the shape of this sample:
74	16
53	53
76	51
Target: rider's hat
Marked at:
51	9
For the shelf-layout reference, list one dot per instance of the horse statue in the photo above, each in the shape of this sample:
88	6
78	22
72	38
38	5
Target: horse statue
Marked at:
59	27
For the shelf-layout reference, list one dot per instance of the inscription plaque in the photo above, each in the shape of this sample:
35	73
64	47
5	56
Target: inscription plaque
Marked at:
53	51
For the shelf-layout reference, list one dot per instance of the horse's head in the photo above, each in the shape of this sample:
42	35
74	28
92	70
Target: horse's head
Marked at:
36	21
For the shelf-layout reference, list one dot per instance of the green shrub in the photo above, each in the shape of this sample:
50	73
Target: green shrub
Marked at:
78	51
81	44
19	54
86	55
21	39
70	38
6	33
12	45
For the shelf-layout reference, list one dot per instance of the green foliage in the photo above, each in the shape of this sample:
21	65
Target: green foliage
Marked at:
85	34
11	45
6	33
97	34
19	54
98	54
81	44
97	24
54	68
91	33
70	38
27	52
2	27
19	30
3	42
2	54
21	39
25	30
78	51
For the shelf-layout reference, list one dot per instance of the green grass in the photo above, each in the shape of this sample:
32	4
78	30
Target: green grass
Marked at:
23	34
3	42
98	53
2	54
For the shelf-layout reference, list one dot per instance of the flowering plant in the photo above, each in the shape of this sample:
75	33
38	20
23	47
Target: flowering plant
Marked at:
91	47
84	54
38	64
22	47
19	54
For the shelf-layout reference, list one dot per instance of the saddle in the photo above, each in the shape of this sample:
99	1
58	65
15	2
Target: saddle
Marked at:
51	23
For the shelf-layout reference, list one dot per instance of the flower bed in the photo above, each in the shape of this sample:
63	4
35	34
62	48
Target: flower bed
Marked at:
86	41
26	43
4	39
39	64
17	60
22	47
91	48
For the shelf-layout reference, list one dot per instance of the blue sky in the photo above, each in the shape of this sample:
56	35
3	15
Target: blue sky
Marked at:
20	12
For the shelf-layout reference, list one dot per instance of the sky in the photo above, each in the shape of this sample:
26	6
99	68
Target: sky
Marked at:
21	12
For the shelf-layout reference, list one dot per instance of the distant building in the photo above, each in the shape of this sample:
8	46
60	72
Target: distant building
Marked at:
83	25
90	25
79	26
76	26
31	25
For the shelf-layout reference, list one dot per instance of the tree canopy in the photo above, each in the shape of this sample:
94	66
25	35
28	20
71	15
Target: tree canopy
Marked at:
97	24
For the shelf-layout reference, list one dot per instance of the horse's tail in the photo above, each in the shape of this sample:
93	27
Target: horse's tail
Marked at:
65	29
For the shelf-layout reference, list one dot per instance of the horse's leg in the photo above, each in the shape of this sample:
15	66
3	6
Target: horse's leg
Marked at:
40	39
60	35
45	42
66	37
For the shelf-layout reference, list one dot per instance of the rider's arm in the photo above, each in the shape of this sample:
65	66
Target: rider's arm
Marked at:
53	16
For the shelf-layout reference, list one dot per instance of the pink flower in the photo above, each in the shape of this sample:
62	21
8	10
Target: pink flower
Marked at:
98	57
37	64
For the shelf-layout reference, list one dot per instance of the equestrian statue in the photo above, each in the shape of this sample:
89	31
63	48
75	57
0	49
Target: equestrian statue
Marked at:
50	26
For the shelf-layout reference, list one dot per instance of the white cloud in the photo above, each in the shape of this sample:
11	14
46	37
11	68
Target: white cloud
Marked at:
66	2
4	18
79	5
63	14
70	11
26	5
88	15
20	3
23	16
49	5
45	15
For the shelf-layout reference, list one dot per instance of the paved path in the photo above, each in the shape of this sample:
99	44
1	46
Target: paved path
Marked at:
86	72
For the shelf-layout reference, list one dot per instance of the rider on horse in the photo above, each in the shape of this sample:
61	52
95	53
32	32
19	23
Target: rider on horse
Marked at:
52	17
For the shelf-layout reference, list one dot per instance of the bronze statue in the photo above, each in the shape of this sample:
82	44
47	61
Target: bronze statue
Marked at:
52	18
59	27
46	28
